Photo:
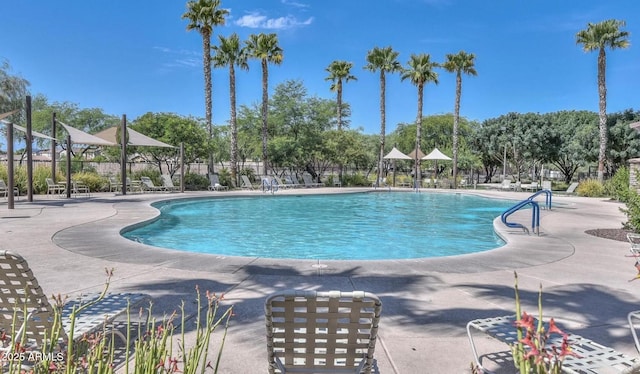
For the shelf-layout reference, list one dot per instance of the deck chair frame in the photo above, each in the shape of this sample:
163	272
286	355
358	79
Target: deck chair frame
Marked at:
22	293
321	332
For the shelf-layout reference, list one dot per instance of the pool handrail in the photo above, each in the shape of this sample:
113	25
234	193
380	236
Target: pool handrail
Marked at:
548	194
535	216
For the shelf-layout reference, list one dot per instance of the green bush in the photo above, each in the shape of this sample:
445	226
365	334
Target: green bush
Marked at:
92	180
356	180
618	186
590	188
152	173
632	211
195	182
224	175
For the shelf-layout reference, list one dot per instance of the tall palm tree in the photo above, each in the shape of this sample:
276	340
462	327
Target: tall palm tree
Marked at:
339	72
459	63
230	53
203	16
383	60
265	48
599	36
420	72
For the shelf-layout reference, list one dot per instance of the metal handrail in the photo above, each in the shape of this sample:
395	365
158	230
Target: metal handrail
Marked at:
548	197
535	217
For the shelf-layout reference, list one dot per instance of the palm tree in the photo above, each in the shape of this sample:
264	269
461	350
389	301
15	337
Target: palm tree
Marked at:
420	72
384	60
459	63
339	71
203	16
265	48
599	36
231	53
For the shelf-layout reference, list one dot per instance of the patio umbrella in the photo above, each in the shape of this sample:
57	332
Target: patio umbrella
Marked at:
395	154
436	155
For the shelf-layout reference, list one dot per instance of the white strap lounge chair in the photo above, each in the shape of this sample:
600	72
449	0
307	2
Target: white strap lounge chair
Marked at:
246	183
215	183
4	189
308	182
167	183
148	185
54	188
21	293
322	332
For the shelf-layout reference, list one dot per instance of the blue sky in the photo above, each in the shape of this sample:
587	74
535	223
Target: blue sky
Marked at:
132	57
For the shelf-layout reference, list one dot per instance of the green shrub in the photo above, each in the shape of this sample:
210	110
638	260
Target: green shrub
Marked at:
92	180
224	175
632	211
590	188
151	173
195	182
618	186
356	180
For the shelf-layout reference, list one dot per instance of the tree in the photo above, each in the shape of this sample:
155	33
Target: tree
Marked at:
230	53
13	90
420	72
459	63
265	48
383	60
599	36
203	16
339	72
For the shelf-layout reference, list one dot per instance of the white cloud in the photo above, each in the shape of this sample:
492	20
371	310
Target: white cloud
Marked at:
257	20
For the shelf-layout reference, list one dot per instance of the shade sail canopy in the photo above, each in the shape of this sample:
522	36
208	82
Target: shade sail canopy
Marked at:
413	154
436	155
24	130
81	137
635	126
5	115
135	138
397	155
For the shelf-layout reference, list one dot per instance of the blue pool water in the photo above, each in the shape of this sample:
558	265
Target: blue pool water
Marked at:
369	226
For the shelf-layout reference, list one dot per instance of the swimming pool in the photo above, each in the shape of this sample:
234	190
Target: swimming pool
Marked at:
362	226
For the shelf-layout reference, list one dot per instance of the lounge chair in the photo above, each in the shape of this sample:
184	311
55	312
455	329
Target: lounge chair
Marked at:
148	185
167	183
322	332
293	181
246	183
20	293
114	185
506	185
54	188
79	187
546	185
308	182
4	189
279	183
215	183
572	188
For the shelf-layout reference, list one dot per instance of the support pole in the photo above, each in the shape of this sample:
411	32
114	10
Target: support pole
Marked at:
123	154
29	150
10	179
69	166
53	147
181	167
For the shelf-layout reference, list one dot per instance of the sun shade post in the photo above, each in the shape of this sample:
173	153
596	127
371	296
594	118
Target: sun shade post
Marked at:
68	166
123	155
10	180
181	166
29	150
53	147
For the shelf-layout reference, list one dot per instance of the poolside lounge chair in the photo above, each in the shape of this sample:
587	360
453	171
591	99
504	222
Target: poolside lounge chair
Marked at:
215	183
246	183
4	189
54	188
21	292
114	185
506	185
322	332
293	180
546	185
148	185
167	183
308	182
78	187
571	189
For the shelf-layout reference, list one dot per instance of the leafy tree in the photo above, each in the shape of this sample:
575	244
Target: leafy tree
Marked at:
597	37
230	53
420	71
383	60
339	72
265	48
459	63
13	90
203	16
172	129
624	142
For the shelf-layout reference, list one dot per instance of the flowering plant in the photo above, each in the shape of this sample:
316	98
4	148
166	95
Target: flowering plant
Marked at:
537	350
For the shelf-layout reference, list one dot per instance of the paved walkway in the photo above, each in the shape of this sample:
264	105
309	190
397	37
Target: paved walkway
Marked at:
426	302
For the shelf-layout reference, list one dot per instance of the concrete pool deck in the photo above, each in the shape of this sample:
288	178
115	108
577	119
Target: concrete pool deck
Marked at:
426	302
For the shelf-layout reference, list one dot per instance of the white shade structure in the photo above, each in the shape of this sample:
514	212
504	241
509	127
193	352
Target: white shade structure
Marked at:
81	137
135	138
436	155
395	154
